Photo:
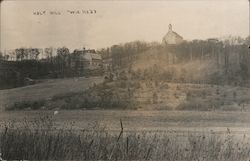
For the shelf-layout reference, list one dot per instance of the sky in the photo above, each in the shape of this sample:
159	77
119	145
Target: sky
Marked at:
117	21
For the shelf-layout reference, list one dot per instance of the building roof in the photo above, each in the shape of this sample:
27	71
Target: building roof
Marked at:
87	56
96	56
172	37
172	33
176	34
91	56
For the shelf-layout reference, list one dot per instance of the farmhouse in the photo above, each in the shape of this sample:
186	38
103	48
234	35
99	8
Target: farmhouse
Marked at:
86	59
91	59
171	38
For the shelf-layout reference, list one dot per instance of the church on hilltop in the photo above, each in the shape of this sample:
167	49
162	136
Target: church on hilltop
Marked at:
171	38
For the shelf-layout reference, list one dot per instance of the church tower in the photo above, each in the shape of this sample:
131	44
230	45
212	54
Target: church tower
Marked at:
170	27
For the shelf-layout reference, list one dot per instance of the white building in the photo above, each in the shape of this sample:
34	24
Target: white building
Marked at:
86	59
171	38
91	59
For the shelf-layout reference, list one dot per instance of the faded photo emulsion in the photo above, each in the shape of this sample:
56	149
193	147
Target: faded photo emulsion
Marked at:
121	80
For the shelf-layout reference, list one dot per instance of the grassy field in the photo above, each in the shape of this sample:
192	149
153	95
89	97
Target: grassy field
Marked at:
45	90
199	121
40	137
81	93
153	132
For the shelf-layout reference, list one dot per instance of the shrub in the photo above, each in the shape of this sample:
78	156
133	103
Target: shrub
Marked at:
26	105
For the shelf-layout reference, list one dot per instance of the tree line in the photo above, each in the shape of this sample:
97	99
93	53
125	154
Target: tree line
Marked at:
28	66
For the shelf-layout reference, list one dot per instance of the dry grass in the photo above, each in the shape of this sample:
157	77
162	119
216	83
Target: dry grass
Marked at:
121	94
45	90
39	140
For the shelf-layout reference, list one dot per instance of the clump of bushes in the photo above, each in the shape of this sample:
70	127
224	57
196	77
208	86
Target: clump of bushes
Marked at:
27	105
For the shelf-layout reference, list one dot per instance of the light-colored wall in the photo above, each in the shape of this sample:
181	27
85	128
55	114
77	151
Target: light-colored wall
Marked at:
171	39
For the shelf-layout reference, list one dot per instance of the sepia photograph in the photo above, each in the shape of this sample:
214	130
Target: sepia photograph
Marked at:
123	80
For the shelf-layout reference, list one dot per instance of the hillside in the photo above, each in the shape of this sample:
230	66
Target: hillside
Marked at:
154	79
136	95
162	63
45	90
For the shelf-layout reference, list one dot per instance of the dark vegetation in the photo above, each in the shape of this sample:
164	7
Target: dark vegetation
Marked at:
25	72
40	140
225	63
124	93
230	55
231	62
28	105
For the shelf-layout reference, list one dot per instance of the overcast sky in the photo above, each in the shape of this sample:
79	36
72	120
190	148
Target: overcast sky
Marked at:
118	21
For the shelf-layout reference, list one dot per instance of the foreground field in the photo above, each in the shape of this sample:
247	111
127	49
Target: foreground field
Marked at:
47	137
198	121
45	90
